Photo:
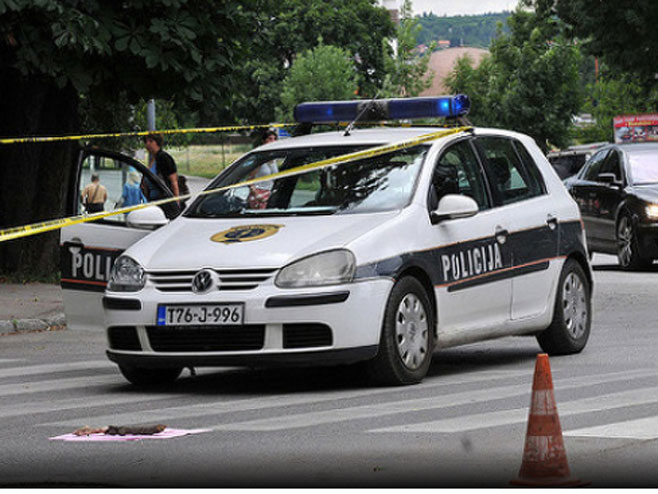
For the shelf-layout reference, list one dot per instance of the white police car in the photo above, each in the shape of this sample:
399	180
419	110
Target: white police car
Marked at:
383	259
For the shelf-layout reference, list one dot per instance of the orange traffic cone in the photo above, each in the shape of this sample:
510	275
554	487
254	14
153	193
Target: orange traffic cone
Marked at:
544	457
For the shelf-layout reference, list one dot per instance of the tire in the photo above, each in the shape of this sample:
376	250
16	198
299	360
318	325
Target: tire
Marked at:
150	377
407	337
628	250
572	317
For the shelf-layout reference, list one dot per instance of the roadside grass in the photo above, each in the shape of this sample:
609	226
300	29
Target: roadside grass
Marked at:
206	161
25	278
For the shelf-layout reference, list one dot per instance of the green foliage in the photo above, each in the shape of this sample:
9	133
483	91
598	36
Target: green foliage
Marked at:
324	73
529	83
407	73
623	34
291	27
471	30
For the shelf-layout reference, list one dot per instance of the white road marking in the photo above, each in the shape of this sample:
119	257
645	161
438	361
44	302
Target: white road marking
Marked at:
646	428
57	385
477	421
31	370
289	399
442	401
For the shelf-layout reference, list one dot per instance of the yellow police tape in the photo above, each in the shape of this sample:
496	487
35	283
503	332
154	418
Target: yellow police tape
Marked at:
230	128
36	228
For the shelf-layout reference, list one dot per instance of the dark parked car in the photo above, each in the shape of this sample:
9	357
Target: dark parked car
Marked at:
617	191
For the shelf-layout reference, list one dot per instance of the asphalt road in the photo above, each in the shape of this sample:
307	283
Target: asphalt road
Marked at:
464	425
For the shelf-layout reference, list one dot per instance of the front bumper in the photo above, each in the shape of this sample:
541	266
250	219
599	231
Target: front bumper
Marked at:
316	326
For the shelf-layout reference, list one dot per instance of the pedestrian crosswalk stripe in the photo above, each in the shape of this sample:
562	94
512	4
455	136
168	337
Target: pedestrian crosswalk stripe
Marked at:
498	418
290	399
30	370
645	428
104	400
56	384
391	408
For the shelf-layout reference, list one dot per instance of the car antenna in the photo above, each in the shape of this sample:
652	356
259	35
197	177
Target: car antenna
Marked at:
366	107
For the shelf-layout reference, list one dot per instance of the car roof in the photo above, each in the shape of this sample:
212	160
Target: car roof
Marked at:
374	136
638	147
356	137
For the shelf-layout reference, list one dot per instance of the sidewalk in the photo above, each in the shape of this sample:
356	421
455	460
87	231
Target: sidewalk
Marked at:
30	307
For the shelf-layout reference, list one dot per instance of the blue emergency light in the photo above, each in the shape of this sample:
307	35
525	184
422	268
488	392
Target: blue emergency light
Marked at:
384	109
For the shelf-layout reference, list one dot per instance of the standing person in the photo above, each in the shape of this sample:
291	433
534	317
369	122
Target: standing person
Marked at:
260	193
132	194
94	195
163	165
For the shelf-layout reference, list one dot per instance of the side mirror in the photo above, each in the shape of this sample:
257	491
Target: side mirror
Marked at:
147	219
608	178
454	206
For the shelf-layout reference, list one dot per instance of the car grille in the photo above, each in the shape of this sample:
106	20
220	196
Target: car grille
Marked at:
306	335
124	338
206	338
229	279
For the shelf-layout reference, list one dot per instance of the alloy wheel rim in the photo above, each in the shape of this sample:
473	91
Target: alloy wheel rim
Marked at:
411	331
625	241
574	305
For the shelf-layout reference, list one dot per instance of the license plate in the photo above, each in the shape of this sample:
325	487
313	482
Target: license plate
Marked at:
201	315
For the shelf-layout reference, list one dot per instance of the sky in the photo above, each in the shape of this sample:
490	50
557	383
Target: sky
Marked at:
460	7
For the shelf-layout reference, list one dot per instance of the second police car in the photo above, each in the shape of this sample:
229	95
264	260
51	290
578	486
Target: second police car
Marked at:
383	259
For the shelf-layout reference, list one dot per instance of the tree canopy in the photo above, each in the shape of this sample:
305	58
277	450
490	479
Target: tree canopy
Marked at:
406	70
623	34
324	73
529	82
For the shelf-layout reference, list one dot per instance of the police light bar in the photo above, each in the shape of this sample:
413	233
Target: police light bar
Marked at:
385	109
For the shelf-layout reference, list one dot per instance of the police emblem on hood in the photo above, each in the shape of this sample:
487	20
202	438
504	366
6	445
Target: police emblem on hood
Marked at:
245	233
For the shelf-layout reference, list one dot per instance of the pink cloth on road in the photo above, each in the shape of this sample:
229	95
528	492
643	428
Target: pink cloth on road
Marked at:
166	434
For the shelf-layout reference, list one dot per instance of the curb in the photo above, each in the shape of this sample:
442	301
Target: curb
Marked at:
58	321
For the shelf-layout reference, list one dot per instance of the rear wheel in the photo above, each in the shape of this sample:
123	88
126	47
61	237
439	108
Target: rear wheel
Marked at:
407	337
628	251
572	317
150	377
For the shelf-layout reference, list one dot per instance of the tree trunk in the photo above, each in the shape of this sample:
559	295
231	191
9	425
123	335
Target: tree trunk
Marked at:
34	177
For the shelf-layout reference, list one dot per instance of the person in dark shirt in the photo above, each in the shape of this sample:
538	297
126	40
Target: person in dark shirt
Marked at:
162	164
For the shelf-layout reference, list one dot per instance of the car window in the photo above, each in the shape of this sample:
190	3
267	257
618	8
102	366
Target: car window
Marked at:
594	166
115	185
612	165
458	172
379	183
511	181
535	178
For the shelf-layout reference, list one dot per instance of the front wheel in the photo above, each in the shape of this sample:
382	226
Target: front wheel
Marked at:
407	337
150	378
572	317
628	251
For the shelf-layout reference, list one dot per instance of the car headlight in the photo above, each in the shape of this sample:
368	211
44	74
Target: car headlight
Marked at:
333	267
652	211
126	276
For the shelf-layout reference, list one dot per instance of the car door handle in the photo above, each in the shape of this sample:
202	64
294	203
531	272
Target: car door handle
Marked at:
501	235
551	221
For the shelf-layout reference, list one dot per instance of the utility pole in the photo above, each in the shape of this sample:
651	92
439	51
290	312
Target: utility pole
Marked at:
150	114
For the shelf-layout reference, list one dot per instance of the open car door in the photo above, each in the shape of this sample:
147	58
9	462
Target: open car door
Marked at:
88	250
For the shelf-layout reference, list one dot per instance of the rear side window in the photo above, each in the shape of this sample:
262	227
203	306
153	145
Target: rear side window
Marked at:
511	181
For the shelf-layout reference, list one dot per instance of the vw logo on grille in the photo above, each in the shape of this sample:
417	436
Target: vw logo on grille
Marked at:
202	281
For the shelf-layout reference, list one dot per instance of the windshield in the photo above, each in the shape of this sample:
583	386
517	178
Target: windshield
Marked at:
644	167
381	183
